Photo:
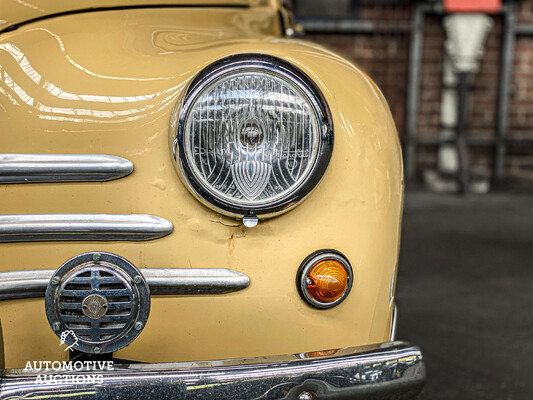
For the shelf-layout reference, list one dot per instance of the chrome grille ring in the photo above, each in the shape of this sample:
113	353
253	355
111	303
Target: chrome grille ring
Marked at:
101	298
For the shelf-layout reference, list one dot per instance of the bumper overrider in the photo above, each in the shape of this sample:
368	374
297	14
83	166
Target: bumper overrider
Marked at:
393	370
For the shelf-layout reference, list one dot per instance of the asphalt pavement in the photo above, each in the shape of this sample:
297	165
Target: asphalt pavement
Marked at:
465	293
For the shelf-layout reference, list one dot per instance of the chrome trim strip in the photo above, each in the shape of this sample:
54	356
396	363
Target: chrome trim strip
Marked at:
174	281
392	283
394	323
41	227
27	168
162	281
382	371
2	351
24	284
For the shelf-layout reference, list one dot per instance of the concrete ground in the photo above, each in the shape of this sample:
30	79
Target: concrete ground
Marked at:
465	293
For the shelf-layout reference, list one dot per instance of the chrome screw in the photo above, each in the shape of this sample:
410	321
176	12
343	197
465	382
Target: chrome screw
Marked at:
55	280
308	281
97	257
137	279
306	396
97	349
138	325
250	221
56	326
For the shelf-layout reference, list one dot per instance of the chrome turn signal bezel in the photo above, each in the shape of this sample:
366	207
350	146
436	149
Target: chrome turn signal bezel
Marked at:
309	262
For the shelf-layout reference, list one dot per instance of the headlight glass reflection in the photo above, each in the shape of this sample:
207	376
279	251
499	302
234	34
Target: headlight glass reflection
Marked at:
251	137
252	133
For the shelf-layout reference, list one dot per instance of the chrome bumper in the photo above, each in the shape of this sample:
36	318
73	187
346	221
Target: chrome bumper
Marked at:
383	371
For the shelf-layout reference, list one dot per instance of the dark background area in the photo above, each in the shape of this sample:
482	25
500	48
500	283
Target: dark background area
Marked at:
465	281
465	293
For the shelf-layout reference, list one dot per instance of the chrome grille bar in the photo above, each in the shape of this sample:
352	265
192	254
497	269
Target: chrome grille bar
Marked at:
162	281
43	227
27	168
194	280
23	284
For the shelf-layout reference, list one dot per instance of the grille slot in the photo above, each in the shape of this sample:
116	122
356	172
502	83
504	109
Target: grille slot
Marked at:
115	289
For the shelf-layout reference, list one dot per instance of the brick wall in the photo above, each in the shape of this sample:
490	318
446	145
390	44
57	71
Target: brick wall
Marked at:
384	56
520	165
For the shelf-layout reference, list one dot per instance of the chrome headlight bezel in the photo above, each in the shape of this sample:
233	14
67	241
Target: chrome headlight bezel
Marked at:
252	63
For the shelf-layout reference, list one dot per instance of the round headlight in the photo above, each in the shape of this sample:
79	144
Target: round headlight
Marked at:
252	136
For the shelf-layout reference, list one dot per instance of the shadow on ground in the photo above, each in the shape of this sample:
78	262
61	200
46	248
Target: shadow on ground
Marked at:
465	293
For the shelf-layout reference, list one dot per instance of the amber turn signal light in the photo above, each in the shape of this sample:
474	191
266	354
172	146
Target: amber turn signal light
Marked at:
325	278
315	354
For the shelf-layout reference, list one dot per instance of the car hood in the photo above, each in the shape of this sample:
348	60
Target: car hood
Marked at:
15	12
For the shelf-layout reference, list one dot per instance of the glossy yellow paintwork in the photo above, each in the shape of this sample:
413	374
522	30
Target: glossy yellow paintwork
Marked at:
106	82
19	11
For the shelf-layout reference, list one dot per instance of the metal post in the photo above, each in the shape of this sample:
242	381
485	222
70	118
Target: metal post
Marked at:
506	72
413	88
462	133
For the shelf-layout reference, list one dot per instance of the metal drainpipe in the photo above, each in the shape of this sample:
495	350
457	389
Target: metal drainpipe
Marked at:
413	88
506	73
462	132
448	159
453	152
466	34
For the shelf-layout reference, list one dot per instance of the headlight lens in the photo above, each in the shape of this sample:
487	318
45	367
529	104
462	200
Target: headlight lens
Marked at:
254	136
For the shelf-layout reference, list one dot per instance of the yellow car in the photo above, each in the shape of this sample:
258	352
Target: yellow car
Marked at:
182	181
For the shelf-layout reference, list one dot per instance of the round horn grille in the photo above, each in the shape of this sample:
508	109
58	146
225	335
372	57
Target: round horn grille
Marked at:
97	302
